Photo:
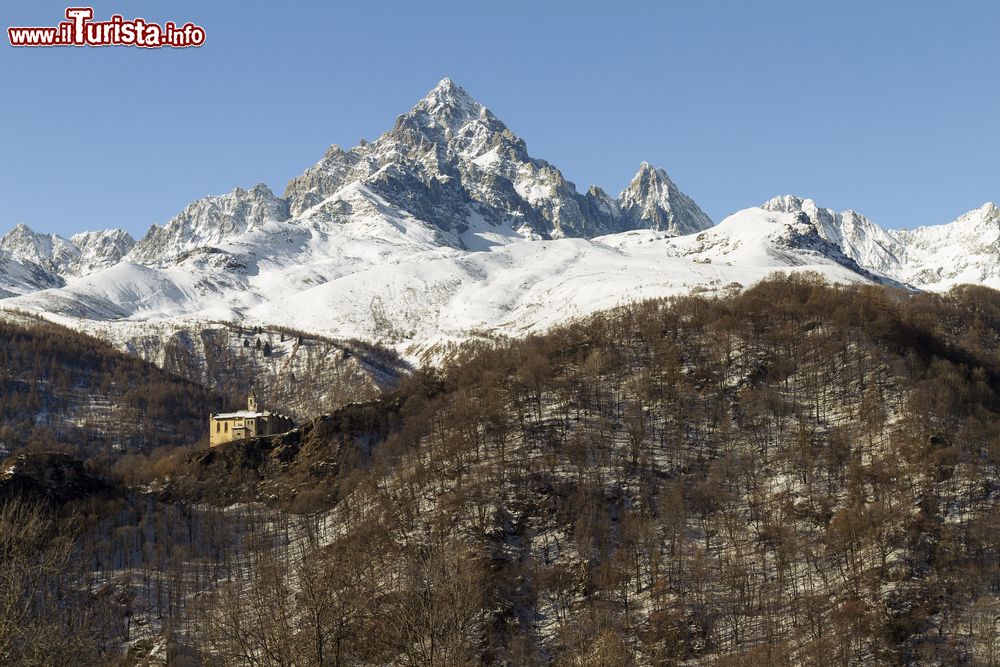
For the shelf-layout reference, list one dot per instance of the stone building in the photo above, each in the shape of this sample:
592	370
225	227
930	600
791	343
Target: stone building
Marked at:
249	423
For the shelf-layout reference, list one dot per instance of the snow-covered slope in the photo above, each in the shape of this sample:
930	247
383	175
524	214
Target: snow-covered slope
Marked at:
445	228
354	229
430	298
22	277
355	266
964	251
935	257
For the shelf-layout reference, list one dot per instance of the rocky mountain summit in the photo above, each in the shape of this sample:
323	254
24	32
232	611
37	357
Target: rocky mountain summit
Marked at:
652	201
933	257
449	160
31	261
207	222
856	236
99	250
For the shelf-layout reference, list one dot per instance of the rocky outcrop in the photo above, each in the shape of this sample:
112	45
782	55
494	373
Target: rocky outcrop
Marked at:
652	201
209	221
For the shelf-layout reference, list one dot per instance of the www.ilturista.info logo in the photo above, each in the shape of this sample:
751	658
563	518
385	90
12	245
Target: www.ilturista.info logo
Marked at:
80	30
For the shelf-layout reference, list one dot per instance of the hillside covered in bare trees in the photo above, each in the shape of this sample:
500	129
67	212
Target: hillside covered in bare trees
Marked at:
799	473
66	390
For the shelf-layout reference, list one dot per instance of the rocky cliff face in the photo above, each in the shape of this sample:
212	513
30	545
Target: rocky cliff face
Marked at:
857	236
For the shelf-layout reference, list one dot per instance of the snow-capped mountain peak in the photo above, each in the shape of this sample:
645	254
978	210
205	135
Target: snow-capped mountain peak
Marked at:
651	200
857	237
450	162
788	204
100	249
935	257
966	250
209	221
32	260
450	105
986	217
444	225
49	251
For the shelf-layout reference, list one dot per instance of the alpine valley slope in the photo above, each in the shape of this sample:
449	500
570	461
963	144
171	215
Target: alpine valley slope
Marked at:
445	228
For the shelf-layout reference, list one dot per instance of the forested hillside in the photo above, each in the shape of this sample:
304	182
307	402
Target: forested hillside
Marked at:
63	389
799	473
303	373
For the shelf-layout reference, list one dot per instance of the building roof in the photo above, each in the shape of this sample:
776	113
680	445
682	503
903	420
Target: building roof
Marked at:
246	414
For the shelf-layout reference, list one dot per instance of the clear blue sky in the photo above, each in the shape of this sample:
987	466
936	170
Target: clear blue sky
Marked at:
890	108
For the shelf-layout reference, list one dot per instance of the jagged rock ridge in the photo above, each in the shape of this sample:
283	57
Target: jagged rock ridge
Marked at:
30	260
933	257
449	158
209	221
448	161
